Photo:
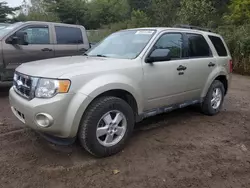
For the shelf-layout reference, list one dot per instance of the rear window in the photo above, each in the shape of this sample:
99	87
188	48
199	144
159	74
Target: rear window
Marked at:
219	46
68	35
198	46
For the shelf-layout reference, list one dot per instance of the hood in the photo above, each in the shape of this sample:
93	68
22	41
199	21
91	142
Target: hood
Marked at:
57	67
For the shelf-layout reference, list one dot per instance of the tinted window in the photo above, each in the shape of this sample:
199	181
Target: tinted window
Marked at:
37	34
173	42
219	46
198	46
68	35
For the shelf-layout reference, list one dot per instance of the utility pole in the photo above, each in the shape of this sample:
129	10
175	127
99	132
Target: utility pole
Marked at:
25	8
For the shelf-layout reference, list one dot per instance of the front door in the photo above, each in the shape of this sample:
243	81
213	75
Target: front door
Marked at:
165	81
39	47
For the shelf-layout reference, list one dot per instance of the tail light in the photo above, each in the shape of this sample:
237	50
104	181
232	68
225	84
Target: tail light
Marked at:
231	66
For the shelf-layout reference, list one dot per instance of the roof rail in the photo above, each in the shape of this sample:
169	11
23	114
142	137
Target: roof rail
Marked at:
192	27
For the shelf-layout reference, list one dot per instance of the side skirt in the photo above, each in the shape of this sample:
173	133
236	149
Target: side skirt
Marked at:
166	109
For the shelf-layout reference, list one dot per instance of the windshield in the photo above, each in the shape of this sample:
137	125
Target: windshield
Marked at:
3	25
8	28
126	44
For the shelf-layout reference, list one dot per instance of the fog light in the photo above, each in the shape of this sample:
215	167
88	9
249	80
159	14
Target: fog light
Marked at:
44	120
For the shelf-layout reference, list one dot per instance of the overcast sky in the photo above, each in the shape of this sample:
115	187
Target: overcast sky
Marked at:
15	3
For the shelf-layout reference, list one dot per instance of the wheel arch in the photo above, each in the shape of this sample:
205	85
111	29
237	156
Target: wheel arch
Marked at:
116	85
224	81
79	107
122	94
221	76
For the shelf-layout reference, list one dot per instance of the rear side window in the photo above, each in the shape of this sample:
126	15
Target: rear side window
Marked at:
198	46
68	35
219	46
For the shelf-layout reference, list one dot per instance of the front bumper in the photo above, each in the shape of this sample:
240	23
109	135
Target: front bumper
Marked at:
66	110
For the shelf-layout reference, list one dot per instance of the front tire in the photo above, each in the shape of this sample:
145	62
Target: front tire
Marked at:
106	126
214	99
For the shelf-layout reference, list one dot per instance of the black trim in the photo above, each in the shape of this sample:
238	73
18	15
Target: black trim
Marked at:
57	140
186	46
166	109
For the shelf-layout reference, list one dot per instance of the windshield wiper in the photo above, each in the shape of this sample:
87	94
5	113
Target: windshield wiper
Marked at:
97	55
85	54
100	55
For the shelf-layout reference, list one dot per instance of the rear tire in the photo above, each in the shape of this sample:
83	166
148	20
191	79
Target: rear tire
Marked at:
108	116
214	99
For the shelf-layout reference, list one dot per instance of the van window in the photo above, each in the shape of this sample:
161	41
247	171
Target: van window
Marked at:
219	46
37	34
68	35
173	42
198	46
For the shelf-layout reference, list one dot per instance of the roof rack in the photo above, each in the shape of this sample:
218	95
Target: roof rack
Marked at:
192	27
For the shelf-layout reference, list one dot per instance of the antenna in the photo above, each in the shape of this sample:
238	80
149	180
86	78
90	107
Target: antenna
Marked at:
25	8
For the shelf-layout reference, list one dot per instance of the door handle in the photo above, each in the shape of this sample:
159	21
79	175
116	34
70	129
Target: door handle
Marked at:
181	68
211	64
47	50
181	73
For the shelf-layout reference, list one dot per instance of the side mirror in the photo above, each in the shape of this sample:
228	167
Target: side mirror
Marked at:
92	44
159	55
19	38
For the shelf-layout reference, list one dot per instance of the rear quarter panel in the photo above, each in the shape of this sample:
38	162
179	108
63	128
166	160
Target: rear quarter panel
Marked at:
222	65
218	71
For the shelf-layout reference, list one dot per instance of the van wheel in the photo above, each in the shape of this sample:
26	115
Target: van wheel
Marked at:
106	126
214	99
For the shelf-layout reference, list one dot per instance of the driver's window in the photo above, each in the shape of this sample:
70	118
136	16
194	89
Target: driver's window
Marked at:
37	34
173	42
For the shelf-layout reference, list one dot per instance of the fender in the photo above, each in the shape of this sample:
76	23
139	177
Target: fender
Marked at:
218	71
104	83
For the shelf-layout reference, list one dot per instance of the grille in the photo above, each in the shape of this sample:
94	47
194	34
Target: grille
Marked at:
23	85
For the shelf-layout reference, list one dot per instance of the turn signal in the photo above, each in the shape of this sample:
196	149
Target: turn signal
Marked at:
63	86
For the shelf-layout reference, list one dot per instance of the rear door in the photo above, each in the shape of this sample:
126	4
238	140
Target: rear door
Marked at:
201	63
39	46
67	41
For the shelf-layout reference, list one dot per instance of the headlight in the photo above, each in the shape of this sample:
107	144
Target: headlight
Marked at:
15	77
48	88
